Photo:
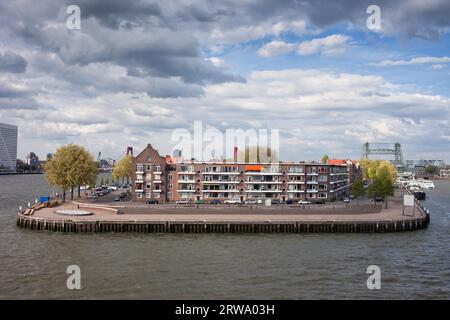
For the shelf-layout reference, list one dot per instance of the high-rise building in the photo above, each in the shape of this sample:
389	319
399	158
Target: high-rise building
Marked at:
8	147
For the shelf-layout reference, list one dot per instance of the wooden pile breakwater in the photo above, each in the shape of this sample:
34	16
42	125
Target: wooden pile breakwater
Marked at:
34	223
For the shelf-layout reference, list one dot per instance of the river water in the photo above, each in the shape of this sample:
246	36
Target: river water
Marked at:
221	266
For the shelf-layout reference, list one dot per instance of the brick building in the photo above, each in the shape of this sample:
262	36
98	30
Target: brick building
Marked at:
169	179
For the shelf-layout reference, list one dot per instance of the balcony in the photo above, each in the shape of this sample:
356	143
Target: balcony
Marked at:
186	172
337	181
221	190
218	182
295	191
263	173
263	182
186	181
262	190
138	181
221	173
312	174
296	182
337	173
139	190
312	190
186	190
312	182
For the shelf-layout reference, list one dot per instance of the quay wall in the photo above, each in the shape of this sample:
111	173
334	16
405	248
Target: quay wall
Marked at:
34	223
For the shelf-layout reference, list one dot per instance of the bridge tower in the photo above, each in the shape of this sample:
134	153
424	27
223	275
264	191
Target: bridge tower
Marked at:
383	148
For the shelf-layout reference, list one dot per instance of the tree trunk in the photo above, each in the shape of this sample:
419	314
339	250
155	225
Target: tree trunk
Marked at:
71	193
79	191
64	196
385	202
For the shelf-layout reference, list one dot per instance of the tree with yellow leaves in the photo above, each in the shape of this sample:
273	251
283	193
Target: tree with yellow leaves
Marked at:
71	167
123	169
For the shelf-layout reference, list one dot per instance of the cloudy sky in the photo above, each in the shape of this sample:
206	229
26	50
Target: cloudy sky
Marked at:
137	70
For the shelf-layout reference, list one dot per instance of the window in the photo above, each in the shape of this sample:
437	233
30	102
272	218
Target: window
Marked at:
157	177
148	167
148	195
169	194
170	186
157	168
148	185
139	195
157	195
170	177
139	168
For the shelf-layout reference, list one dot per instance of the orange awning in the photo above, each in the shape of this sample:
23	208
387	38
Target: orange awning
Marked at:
253	168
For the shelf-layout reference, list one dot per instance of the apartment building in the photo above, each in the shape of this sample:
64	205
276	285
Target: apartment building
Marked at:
168	179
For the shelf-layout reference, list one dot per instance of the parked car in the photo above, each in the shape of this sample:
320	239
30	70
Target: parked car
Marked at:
276	201
352	196
233	201
199	201
117	198
152	201
378	199
346	200
251	201
304	202
215	201
183	201
93	196
289	201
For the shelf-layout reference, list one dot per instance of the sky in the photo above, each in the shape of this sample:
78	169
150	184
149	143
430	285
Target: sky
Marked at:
136	71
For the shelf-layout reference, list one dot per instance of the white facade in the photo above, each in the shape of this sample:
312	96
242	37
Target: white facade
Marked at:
8	147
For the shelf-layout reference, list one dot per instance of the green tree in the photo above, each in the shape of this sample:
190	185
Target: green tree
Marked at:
123	168
358	189
324	159
71	166
431	170
382	186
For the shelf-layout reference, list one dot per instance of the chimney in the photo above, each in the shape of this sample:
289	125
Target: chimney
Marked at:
235	153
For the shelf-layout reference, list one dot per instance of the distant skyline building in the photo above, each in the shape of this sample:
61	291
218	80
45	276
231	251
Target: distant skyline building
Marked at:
8	147
33	161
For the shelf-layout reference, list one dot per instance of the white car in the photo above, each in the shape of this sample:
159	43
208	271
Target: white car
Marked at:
251	201
183	201
232	201
304	202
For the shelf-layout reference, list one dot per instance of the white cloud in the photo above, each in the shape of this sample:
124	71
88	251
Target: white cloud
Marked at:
244	33
217	62
311	107
414	61
329	46
275	48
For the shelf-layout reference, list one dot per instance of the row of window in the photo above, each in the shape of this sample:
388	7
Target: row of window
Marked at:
148	168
